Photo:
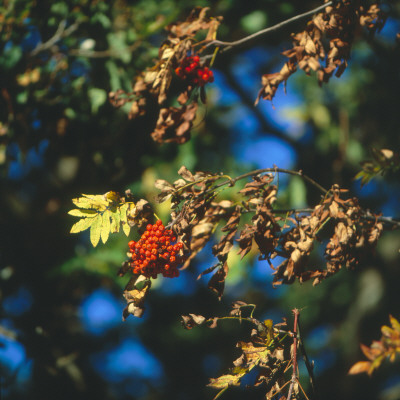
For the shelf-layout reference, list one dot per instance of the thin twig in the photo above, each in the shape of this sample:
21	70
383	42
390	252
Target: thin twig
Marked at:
386	220
229	45
296	313
279	170
61	32
309	365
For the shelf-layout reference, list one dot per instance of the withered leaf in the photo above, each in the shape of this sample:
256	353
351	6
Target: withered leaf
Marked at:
192	320
217	281
186	174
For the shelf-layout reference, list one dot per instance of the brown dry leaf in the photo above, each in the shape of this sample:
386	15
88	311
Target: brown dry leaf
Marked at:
186	174
192	320
174	124
217	281
135	298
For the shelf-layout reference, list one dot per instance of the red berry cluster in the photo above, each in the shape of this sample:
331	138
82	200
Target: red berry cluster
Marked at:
191	69
155	252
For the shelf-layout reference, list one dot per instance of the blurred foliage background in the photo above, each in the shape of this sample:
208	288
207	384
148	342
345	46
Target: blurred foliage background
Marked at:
61	333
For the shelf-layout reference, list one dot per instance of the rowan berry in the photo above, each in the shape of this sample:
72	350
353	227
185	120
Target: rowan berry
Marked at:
155	252
191	70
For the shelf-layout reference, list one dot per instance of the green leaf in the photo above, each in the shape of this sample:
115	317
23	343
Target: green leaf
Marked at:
254	21
82	213
101	19
59	8
82	225
105	228
297	192
97	98
95	230
10	57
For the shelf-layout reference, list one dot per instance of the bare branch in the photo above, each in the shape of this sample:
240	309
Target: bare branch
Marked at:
296	314
229	45
281	170
61	32
309	364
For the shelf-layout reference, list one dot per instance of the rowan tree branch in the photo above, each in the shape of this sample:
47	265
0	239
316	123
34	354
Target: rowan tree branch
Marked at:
231	182
229	45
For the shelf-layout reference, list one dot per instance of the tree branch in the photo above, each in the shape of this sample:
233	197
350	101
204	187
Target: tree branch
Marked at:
293	380
229	45
231	182
309	365
61	32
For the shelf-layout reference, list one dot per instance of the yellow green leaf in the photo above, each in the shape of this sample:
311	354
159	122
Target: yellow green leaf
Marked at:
126	228
269	325
95	230
96	202
82	224
123	210
115	221
224	381
376	363
105	228
82	213
124	218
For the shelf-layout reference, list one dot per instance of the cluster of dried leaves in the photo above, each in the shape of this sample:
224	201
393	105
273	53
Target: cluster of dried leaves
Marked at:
197	213
387	347
327	39
350	233
270	353
153	86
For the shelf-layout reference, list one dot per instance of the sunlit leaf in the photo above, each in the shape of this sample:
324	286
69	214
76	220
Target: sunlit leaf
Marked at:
82	225
82	213
115	220
359	367
106	225
225	381
95	230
